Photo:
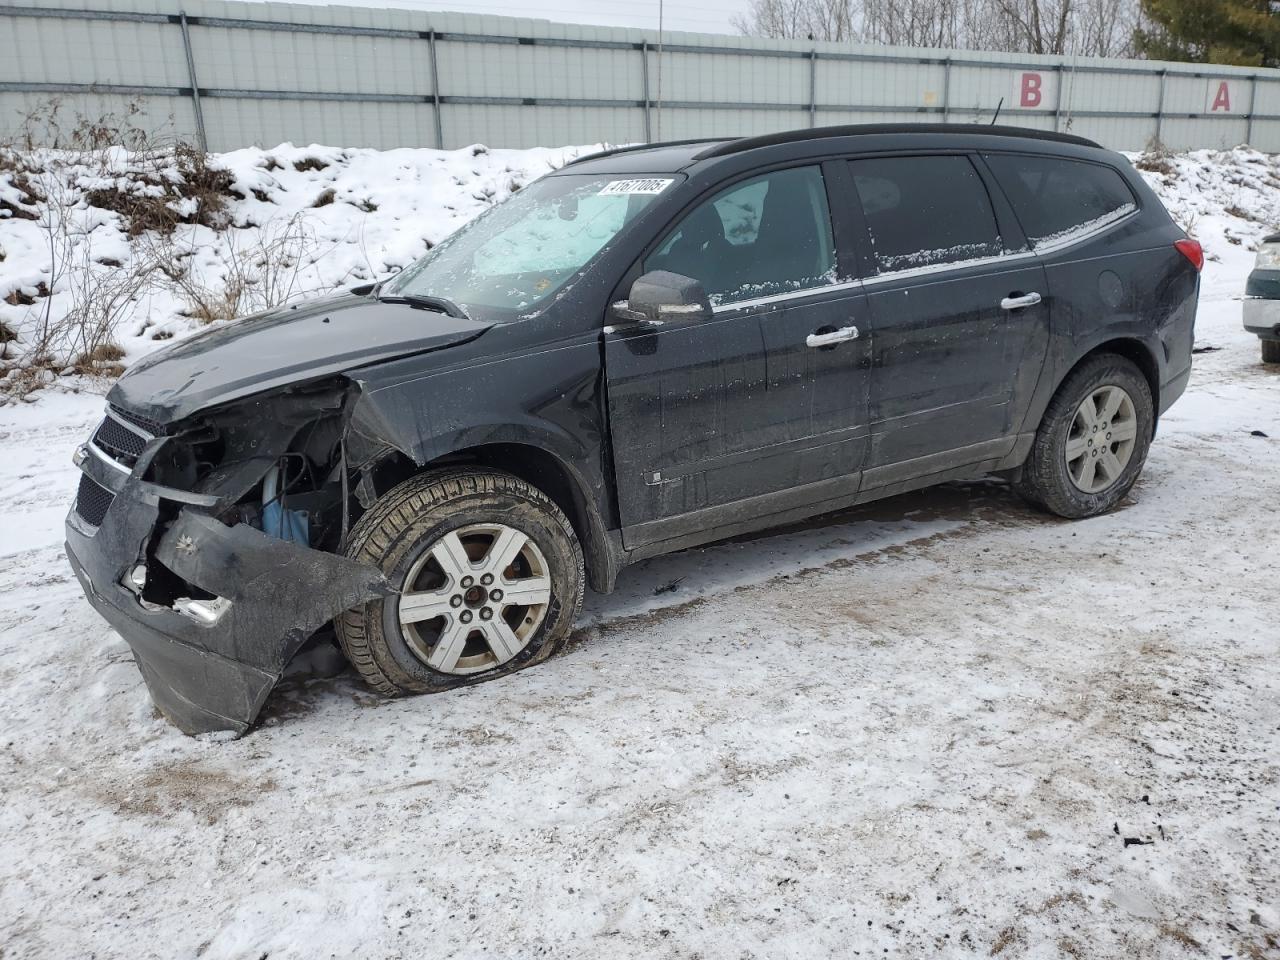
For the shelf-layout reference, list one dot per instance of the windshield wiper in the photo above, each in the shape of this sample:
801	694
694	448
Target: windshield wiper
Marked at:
427	302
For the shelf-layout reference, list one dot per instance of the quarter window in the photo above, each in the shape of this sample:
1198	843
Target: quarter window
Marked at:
925	211
762	237
1058	200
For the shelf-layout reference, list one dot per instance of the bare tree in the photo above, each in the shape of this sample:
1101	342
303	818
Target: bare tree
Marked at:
833	20
912	23
1105	28
779	19
1040	27
1101	28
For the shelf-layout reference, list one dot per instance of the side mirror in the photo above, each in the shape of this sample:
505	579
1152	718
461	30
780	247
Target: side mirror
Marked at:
661	296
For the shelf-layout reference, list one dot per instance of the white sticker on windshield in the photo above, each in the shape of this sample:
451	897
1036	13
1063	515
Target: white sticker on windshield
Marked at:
650	186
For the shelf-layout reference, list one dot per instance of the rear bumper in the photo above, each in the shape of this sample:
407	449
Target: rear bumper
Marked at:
210	674
1173	388
1262	317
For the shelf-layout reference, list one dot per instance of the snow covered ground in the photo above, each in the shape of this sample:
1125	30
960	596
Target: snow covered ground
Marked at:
929	727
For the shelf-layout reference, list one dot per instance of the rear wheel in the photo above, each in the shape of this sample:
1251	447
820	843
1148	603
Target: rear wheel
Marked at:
1093	440
490	580
1271	351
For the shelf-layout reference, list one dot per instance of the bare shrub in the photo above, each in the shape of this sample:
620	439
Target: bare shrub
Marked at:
68	170
153	182
1156	163
46	126
163	186
101	299
259	270
97	298
1157	158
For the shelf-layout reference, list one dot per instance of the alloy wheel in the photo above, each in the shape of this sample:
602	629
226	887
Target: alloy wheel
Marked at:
474	598
1101	439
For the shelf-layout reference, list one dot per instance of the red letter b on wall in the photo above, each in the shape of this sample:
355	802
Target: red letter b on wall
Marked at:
1030	90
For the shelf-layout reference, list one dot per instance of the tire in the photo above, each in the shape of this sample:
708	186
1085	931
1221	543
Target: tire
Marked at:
1089	484
1271	351
431	534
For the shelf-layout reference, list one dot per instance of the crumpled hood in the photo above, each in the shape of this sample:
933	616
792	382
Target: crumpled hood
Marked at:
279	347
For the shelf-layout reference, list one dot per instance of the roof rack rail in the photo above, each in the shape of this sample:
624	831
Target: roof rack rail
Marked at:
724	148
634	147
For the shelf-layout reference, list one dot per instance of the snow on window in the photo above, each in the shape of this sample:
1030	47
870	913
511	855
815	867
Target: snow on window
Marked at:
1062	237
773	288
954	255
522	251
925	211
554	237
1059	200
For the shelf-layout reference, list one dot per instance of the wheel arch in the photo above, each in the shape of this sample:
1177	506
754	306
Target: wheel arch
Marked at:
1141	356
538	467
1132	349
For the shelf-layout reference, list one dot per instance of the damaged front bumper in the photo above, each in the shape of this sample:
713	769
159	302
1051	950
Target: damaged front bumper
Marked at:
209	659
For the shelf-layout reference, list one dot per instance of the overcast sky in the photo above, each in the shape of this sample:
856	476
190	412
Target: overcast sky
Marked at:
704	16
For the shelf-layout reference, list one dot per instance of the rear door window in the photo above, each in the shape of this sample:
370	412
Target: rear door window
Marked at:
925	211
763	237
1058	200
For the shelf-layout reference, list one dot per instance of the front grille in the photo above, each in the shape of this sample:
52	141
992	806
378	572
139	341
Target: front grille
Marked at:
153	427
93	500
118	441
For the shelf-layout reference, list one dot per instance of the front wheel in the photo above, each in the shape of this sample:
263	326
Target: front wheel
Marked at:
489	576
1093	440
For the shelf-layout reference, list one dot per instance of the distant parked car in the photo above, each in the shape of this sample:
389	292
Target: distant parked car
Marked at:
648	349
1262	299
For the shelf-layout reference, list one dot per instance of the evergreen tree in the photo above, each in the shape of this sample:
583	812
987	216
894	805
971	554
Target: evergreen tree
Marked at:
1241	32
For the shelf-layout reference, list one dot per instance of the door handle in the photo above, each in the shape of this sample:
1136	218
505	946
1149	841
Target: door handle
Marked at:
828	339
1017	303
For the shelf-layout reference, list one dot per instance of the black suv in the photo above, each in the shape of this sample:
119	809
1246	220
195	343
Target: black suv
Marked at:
650	348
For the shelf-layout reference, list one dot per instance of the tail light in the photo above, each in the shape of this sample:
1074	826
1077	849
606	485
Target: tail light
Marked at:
1192	250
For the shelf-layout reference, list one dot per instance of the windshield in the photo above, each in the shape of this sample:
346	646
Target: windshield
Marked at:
504	263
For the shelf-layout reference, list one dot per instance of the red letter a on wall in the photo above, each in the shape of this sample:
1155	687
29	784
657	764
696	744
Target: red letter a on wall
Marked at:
1223	100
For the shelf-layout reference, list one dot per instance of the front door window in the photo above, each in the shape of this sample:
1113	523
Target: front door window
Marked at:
765	236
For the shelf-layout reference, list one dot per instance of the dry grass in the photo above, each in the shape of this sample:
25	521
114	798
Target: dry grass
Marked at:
1156	163
1157	158
13	171
65	168
20	297
147	198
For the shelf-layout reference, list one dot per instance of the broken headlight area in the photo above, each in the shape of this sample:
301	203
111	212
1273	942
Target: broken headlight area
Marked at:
216	555
275	463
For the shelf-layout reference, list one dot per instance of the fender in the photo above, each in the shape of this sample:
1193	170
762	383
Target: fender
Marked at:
521	412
